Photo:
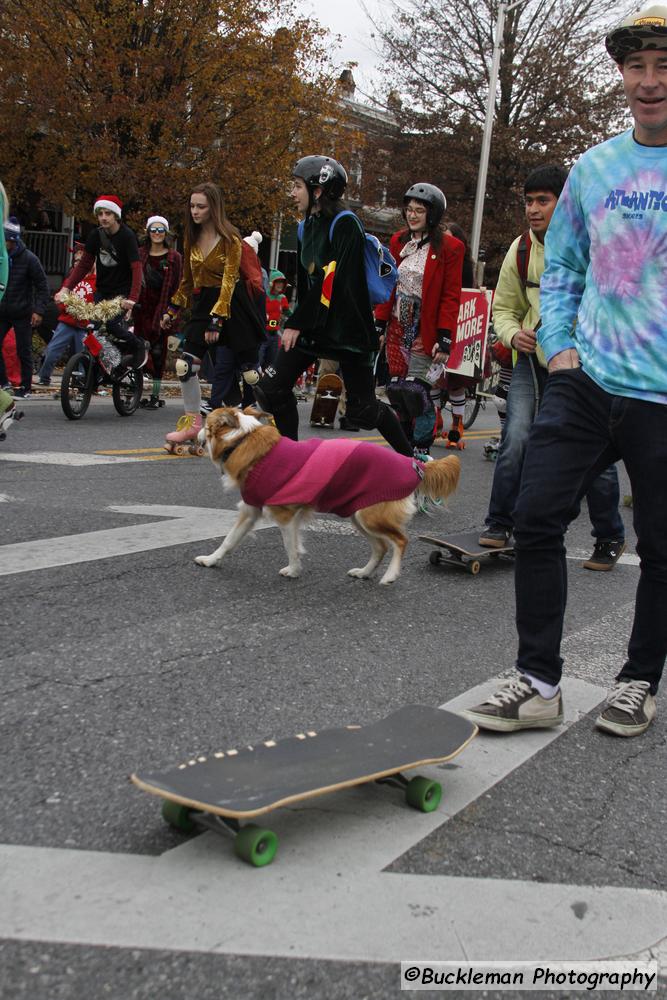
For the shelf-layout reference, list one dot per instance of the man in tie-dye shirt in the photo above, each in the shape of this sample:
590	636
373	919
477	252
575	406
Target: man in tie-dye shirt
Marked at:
604	334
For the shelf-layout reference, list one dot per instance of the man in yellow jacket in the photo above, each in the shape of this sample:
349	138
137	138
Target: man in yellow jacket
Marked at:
516	318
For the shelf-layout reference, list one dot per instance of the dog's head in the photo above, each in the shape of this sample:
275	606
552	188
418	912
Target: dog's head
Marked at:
226	428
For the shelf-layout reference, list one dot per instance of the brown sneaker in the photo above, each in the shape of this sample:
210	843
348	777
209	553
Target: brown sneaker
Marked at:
605	555
517	705
630	709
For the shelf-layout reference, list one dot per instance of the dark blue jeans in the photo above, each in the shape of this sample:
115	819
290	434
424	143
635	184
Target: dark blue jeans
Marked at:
603	497
579	431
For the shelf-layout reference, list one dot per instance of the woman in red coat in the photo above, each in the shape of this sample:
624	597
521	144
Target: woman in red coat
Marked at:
420	318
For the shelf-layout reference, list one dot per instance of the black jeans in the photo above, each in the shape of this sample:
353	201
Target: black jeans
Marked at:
579	431
275	390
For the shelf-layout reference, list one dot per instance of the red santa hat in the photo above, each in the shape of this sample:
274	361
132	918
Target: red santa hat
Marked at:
110	202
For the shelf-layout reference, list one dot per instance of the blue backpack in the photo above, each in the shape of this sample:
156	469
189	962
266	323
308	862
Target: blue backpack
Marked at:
379	264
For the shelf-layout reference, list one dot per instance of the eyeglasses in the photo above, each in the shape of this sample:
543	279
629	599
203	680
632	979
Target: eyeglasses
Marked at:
157	229
415	211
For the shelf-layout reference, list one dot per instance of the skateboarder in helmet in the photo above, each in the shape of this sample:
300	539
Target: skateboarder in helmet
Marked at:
603	301
333	316
421	315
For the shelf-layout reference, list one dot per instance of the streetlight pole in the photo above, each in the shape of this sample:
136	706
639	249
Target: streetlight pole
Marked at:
503	9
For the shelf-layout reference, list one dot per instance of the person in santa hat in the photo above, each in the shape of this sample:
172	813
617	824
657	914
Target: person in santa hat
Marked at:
113	250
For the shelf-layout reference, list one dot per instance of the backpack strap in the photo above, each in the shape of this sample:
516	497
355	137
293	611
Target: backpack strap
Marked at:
523	258
340	216
106	243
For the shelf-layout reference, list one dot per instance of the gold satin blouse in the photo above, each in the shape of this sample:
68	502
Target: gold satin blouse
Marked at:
218	268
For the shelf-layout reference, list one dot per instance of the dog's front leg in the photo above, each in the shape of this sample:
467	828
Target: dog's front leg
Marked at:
293	547
248	517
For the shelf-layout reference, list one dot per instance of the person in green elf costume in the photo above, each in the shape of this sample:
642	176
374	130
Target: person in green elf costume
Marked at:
333	317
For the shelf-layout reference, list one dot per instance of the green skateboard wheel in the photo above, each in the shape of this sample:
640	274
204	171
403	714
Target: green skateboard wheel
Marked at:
423	794
255	845
178	816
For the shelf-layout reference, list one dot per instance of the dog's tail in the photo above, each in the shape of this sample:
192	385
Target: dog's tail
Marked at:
441	477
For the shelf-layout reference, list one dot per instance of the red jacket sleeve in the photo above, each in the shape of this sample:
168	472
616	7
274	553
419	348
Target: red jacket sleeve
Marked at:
453	252
137	275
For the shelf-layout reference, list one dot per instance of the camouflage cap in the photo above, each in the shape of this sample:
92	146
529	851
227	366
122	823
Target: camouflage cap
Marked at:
642	29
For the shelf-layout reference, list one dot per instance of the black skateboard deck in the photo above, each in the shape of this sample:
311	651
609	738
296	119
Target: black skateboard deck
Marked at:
464	550
325	405
225	786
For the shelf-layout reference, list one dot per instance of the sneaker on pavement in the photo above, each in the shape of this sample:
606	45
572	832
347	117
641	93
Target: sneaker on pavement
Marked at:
517	705
630	709
606	554
495	536
44	381
22	393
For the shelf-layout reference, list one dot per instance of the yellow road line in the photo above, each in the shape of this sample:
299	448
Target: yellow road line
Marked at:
132	451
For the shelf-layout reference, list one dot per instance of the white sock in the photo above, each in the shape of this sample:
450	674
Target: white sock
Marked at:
546	691
458	403
191	395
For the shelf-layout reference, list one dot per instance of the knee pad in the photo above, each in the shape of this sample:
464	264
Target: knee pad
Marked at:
187	367
272	399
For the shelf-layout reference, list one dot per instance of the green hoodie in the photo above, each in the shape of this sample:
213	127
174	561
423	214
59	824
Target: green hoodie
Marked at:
276	276
4	257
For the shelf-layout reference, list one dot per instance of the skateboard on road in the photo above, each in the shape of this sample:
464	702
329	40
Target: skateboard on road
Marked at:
464	551
327	394
220	789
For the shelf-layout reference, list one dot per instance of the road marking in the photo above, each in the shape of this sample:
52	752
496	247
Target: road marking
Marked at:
326	896
183	525
65	458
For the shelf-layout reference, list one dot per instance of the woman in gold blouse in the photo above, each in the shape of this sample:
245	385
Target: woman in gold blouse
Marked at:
220	308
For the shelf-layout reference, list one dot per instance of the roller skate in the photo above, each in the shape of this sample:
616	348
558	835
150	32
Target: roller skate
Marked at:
183	441
7	418
455	433
491	449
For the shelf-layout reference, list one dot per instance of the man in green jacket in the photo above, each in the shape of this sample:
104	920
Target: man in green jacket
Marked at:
516	318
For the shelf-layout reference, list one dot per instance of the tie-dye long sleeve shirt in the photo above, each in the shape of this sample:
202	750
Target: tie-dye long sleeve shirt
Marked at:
604	288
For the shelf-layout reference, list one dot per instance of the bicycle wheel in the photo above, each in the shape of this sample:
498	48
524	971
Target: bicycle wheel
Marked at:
471	409
76	387
126	392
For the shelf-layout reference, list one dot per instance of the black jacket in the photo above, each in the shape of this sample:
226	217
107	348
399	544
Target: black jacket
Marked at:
27	288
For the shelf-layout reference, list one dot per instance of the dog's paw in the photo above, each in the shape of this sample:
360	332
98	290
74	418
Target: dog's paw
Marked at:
207	561
359	573
291	571
386	579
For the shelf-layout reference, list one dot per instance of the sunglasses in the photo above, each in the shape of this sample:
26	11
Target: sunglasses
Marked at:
157	229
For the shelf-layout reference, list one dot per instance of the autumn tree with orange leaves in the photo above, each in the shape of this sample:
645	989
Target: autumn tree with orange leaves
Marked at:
145	98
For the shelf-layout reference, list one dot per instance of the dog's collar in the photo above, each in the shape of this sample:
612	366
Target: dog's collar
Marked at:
227	452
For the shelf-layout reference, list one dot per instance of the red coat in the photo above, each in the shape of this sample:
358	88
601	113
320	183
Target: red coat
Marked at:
441	288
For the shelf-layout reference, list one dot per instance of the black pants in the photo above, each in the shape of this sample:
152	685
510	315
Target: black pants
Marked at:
275	392
23	332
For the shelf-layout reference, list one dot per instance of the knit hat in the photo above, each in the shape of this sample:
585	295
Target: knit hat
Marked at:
12	228
254	240
110	202
160	219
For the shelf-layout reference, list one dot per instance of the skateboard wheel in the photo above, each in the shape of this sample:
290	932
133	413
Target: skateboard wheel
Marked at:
474	566
435	558
256	846
178	816
423	794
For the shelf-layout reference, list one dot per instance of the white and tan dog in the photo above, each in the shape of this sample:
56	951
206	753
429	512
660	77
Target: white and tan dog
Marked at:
289	480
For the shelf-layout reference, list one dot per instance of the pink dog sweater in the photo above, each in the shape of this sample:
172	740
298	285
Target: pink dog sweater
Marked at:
335	477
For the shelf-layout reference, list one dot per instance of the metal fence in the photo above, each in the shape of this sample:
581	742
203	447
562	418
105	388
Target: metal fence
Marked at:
52	249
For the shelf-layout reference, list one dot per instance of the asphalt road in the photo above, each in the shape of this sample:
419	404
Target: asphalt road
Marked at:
119	653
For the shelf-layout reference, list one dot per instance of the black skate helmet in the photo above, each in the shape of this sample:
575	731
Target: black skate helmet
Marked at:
643	29
324	172
432	197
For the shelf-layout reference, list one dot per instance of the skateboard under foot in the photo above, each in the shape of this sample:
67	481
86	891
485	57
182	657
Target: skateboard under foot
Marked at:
464	551
219	790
